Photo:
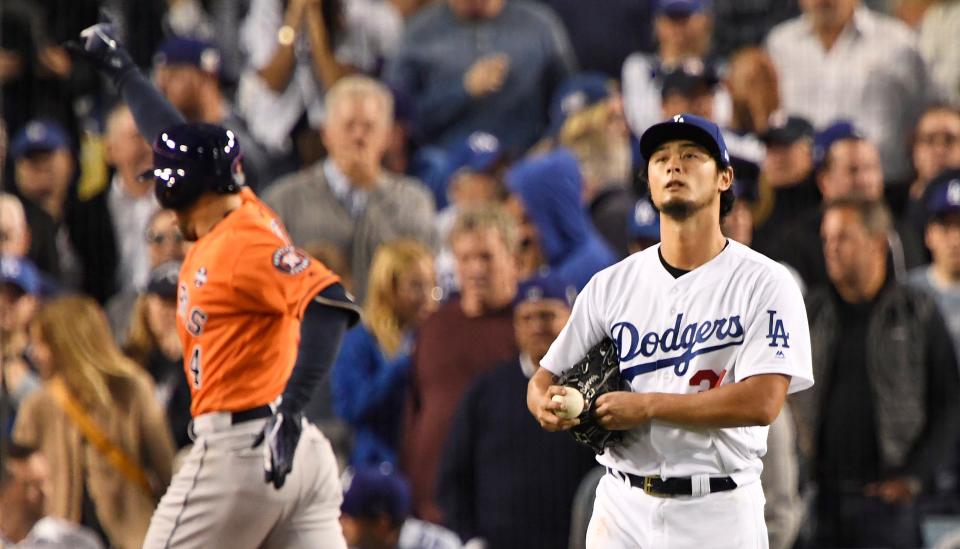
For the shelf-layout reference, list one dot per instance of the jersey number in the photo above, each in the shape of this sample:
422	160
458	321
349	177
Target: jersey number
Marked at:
195	366
712	378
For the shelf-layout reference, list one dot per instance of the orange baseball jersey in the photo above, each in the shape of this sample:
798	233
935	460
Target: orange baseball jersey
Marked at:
241	296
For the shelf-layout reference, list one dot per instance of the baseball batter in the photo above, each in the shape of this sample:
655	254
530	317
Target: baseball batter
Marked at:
711	335
260	322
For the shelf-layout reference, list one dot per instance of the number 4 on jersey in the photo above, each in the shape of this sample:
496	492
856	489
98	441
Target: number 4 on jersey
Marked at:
195	366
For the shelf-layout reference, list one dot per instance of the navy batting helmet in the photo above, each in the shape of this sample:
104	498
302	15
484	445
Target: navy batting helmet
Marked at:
192	159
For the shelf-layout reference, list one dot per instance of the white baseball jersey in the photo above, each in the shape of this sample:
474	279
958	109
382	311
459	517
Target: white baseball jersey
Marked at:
738	315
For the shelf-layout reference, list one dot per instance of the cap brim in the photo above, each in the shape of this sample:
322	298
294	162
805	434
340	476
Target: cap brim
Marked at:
664	132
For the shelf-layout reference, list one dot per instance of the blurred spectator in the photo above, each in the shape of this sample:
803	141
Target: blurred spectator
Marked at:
688	88
754	88
495	447
939	47
936	147
546	202
153	342
487	65
643	225
884	416
847	165
780	478
447	357
840	59
19	287
376	514
24	489
599	139
476	168
787	192
129	197
19	25
348	199
603	38
683	30
371	371
738	223
14	231
741	23
187	71
164	243
942	277
297	50
71	239
96	420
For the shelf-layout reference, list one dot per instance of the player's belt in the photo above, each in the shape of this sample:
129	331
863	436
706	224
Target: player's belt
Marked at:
253	413
676	486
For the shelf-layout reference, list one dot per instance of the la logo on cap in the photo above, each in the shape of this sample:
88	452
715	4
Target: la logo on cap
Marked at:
678	118
953	192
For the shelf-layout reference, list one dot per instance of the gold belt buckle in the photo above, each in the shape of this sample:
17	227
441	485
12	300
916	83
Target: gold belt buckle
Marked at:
648	488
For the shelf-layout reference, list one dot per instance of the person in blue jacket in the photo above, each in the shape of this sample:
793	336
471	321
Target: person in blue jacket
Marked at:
547	196
370	373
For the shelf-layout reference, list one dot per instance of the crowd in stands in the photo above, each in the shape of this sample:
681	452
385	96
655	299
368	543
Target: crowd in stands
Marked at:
466	166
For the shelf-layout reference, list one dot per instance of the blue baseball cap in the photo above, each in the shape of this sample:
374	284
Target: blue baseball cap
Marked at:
545	285
643	222
783	129
163	279
479	152
189	51
839	130
575	94
944	196
690	78
373	491
680	8
686	127
38	135
20	272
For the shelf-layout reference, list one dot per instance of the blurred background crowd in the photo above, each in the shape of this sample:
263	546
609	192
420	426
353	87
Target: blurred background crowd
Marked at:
466	166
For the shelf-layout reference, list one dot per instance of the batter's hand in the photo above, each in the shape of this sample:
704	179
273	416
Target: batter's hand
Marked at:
99	44
622	410
281	433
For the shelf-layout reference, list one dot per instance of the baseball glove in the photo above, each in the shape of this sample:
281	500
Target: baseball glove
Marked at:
597	373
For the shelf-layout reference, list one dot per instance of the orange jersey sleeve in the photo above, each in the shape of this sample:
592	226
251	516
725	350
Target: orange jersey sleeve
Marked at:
242	293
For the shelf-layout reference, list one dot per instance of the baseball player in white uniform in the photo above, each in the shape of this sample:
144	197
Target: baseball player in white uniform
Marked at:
711	335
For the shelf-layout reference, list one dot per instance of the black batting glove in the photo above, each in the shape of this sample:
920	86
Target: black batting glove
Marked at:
99	44
281	434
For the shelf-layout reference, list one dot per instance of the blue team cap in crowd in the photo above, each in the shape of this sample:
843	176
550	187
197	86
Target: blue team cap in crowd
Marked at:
163	279
643	222
840	130
545	285
20	272
686	127
680	8
374	491
944	194
783	129
38	135
688	79
479	152
189	51
575	94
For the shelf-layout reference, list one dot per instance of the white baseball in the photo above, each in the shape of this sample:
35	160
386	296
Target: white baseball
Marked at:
572	403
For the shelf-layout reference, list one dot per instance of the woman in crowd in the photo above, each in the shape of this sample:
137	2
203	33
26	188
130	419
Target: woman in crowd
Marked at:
153	343
370	373
97	422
